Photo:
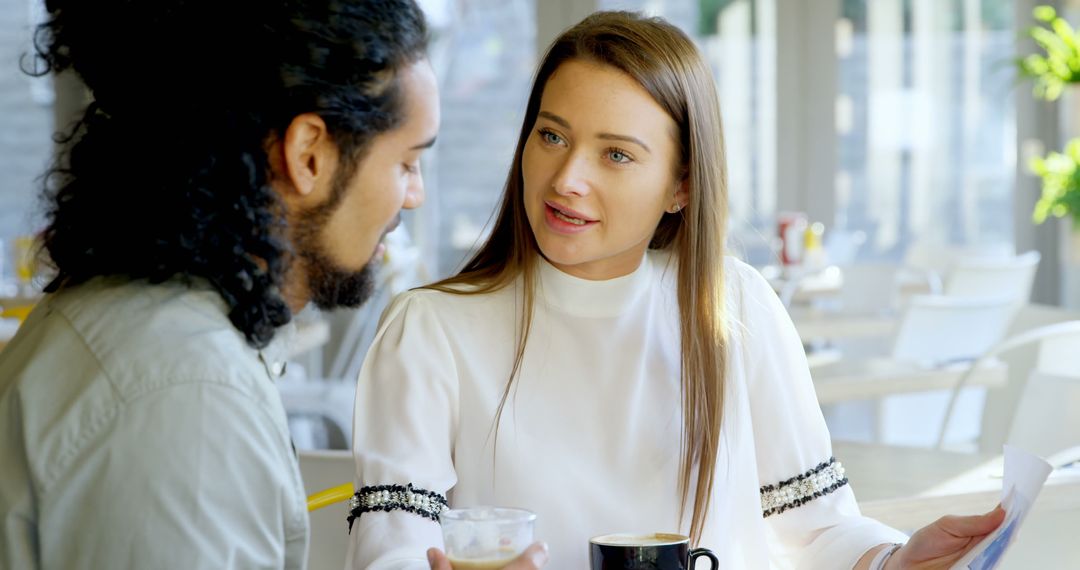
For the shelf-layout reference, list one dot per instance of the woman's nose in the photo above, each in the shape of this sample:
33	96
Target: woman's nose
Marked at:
573	178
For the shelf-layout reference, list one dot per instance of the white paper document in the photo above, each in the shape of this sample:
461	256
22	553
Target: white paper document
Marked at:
1024	477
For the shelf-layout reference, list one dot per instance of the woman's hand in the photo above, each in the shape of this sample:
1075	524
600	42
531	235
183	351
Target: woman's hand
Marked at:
942	543
533	558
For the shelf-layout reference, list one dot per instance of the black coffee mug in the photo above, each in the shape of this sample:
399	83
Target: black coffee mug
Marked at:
659	551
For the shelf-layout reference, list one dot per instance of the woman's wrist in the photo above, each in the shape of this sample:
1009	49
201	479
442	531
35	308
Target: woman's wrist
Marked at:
886	558
894	560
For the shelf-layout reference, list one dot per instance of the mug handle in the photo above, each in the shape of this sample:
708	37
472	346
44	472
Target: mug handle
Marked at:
695	553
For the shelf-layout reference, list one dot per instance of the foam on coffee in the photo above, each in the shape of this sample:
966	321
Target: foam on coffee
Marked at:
654	539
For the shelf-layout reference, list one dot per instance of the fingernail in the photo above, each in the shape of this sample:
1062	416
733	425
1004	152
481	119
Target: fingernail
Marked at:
540	557
430	558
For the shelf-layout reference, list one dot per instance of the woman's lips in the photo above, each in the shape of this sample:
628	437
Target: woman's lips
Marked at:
568	211
564	221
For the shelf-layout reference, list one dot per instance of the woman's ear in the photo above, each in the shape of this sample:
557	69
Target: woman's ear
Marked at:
681	197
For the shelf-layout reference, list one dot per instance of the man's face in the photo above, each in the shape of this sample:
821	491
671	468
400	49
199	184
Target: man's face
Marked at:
339	242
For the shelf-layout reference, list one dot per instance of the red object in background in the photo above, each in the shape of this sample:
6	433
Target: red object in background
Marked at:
790	227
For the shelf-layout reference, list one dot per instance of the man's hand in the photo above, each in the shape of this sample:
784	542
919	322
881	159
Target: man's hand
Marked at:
533	558
940	544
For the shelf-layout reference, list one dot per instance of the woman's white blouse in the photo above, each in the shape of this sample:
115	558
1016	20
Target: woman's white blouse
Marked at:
590	435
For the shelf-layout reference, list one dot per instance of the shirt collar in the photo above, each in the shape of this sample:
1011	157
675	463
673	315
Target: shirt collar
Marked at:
275	355
588	298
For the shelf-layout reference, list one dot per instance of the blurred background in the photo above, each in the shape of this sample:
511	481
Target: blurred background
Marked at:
899	122
900	170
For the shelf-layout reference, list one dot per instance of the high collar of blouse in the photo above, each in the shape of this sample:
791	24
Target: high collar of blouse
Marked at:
589	298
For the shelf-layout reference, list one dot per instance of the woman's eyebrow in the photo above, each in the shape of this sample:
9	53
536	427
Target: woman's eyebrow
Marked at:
605	136
556	119
626	138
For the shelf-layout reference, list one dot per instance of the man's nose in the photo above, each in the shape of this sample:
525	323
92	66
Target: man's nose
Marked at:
414	194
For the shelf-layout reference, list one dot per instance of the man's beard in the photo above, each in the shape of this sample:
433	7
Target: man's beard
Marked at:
330	285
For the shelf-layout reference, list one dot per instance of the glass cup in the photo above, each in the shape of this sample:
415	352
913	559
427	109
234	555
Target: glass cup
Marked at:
24	259
485	538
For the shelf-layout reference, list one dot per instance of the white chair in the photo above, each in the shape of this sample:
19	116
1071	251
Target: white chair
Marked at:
931	257
402	270
320	407
1000	407
929	278
935	333
320	411
324	469
1010	276
936	330
936	259
859	320
1046	420
356	329
869	289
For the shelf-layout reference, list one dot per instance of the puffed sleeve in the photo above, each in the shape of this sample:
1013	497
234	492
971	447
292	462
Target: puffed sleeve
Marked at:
403	426
806	500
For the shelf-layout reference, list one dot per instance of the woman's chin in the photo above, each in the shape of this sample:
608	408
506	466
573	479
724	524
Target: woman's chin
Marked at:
560	255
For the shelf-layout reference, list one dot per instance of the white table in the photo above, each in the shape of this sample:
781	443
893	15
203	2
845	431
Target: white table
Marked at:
821	282
909	488
818	283
870	378
880	472
816	324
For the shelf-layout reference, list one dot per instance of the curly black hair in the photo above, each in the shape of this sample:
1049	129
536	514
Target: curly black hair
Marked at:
167	173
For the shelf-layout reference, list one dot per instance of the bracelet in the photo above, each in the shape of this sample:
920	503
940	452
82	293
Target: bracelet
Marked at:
878	563
387	498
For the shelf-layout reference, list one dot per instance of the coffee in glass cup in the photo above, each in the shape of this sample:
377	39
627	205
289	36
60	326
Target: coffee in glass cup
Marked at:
485	538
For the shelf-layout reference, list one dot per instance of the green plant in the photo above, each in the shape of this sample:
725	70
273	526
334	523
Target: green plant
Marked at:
1060	173
1059	64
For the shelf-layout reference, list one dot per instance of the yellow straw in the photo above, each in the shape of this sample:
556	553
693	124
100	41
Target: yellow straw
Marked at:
16	312
330	496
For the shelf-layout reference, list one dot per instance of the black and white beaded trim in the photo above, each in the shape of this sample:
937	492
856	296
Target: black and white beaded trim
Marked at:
827	477
386	498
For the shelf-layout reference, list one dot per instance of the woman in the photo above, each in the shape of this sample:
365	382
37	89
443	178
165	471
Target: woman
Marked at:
599	361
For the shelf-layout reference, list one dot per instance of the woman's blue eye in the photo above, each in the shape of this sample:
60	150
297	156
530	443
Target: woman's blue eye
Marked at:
550	137
618	156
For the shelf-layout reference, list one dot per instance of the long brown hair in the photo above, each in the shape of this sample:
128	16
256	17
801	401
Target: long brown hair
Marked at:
668	65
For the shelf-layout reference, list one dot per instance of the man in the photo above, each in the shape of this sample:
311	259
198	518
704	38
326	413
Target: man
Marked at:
233	166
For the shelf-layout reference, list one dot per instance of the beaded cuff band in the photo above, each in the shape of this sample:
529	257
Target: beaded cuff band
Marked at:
388	498
827	477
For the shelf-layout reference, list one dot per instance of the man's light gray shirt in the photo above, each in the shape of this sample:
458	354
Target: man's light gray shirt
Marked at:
138	429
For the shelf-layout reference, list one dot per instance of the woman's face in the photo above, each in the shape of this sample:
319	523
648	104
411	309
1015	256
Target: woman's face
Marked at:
599	169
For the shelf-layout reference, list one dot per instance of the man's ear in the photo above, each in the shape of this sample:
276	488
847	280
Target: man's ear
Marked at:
310	156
